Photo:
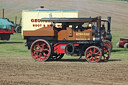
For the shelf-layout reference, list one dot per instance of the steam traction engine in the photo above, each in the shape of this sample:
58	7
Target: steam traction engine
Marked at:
76	36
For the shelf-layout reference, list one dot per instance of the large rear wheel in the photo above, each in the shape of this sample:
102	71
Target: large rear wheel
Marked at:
41	50
93	54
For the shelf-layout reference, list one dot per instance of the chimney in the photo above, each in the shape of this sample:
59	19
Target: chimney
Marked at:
3	12
42	7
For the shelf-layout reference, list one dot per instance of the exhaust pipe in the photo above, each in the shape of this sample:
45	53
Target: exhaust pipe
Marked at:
3	13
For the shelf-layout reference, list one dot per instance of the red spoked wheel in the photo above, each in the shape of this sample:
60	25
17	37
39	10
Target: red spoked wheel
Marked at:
93	54
41	50
56	57
108	44
105	54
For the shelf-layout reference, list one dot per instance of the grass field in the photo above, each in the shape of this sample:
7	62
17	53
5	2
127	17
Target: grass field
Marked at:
15	46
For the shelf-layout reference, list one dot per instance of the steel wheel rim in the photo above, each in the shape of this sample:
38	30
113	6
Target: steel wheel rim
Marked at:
108	45
93	54
40	50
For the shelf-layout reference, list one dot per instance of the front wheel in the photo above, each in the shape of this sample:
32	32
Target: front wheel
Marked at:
108	44
93	54
105	54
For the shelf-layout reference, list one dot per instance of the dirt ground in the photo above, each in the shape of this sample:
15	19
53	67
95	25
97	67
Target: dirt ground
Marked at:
23	70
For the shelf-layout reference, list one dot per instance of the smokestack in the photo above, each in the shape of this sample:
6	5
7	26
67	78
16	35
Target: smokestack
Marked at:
15	19
20	21
3	12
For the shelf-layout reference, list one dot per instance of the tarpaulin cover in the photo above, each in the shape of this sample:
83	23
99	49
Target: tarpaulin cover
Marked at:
5	24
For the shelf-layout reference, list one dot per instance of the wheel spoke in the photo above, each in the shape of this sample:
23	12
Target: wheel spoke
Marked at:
36	56
40	54
91	58
96	58
44	54
94	50
89	55
90	51
37	50
46	49
38	45
43	45
97	54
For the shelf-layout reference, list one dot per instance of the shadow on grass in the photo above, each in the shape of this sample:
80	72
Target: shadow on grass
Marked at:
73	60
118	50
114	60
11	42
84	60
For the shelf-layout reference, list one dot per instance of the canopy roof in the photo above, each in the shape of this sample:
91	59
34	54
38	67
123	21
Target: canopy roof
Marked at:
69	19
